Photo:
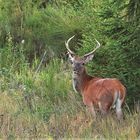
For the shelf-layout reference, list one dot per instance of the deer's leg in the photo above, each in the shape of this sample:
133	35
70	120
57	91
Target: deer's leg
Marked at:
119	109
92	110
90	106
103	108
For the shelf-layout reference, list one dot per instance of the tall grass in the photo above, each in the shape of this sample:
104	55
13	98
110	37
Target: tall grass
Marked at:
43	105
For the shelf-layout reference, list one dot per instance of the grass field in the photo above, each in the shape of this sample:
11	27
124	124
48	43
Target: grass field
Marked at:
44	105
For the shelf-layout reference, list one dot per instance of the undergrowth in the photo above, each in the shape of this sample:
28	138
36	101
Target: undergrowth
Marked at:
43	105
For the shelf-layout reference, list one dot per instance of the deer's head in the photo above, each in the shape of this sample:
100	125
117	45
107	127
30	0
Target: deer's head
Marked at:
77	61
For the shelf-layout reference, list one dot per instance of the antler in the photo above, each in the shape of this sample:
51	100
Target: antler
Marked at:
67	45
98	46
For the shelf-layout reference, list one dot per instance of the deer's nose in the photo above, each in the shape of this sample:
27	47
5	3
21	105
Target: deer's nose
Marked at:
75	69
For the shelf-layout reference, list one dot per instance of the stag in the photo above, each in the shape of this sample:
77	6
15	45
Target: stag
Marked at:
102	93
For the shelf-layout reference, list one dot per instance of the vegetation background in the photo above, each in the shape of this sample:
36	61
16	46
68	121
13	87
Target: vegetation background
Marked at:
41	103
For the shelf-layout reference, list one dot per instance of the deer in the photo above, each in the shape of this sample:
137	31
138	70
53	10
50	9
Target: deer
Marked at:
102	93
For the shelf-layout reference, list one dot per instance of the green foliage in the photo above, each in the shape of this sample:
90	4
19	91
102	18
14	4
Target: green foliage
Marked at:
43	103
119	55
42	29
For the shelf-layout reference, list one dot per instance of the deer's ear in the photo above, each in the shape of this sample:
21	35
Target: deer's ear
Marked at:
88	58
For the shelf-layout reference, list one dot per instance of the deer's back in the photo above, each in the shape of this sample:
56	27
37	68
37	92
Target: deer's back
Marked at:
99	89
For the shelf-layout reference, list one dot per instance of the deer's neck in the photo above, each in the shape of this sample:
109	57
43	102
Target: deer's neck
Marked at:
80	81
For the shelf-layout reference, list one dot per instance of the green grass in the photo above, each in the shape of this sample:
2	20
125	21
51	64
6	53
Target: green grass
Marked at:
43	105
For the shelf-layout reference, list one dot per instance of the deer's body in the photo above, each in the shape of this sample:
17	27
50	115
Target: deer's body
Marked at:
103	93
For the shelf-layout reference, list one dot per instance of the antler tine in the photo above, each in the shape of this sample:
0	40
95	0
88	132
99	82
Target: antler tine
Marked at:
67	45
98	46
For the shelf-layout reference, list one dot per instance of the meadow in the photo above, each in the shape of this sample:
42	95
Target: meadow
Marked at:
37	100
43	105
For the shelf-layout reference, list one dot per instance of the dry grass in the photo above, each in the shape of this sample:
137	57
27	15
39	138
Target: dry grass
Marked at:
32	108
16	123
84	126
